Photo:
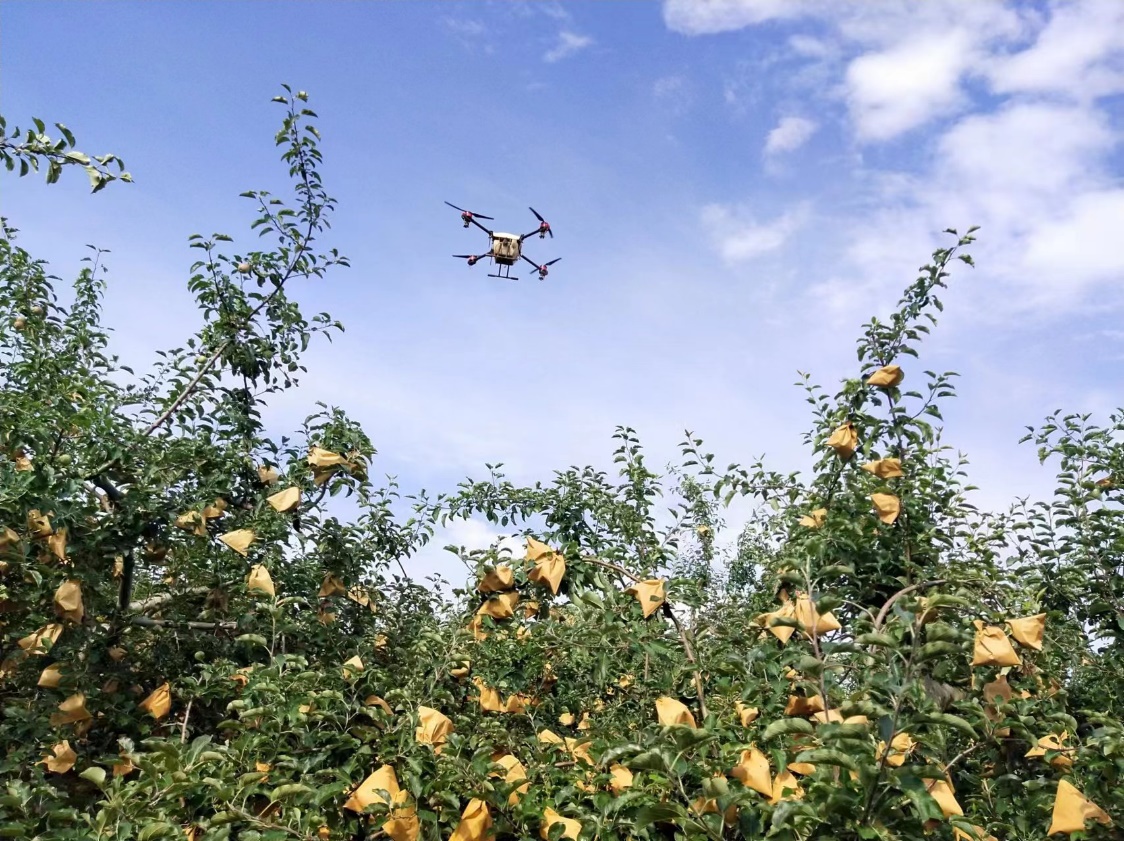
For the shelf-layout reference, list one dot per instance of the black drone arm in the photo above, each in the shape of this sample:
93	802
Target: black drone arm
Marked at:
529	260
481	227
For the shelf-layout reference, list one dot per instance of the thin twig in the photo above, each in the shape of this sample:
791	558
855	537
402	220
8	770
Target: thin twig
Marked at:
246	816
898	701
146	622
186	713
688	648
903	592
617	569
206	366
190	387
159	601
963	754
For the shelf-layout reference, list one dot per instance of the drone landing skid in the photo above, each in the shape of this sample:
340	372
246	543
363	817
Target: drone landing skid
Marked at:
503	273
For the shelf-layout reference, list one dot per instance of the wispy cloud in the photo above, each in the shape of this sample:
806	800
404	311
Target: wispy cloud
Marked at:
790	134
674	92
568	44
703	18
738	236
469	32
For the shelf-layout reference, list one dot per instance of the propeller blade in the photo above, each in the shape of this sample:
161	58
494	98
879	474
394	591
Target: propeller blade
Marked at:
462	210
552	262
549	231
537	216
464	256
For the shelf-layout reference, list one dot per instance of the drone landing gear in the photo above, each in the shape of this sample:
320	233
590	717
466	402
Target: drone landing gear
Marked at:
503	273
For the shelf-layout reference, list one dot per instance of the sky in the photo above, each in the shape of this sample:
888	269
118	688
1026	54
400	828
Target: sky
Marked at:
735	186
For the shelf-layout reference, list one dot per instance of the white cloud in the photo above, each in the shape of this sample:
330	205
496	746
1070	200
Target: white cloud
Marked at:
1036	177
553	10
806	45
1080	41
790	134
739	237
467	28
1024	159
906	61
703	17
892	91
674	92
668	86
1081	249
470	33
568	44
1031	166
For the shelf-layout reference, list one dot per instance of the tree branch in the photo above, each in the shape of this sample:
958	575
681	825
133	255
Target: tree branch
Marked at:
963	754
878	620
159	601
186	713
689	651
146	622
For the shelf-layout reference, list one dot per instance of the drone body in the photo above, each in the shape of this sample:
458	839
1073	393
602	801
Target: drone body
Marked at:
505	249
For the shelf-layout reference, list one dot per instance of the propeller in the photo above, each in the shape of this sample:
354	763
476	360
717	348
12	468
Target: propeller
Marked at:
544	226
543	272
472	258
469	212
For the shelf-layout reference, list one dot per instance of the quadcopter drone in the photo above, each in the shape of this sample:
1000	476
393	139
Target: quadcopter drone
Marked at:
506	249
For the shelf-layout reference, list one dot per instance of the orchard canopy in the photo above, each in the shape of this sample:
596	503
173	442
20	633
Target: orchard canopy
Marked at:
208	633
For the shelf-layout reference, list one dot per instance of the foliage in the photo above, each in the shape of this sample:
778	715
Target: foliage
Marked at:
197	643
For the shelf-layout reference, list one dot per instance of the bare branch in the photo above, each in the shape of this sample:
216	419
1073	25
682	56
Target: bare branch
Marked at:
878	620
146	622
154	602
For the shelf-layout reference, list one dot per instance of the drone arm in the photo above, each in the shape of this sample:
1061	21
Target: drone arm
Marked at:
529	260
478	225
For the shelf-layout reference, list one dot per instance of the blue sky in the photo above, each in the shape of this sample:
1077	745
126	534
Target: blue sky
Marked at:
735	185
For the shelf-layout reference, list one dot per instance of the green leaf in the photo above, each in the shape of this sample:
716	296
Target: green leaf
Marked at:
288	790
614	754
828	756
689	737
156	829
834	571
787	726
884	640
937	649
95	775
651	760
809	665
953	721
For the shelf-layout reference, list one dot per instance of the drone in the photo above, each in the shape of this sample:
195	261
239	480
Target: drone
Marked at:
506	249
